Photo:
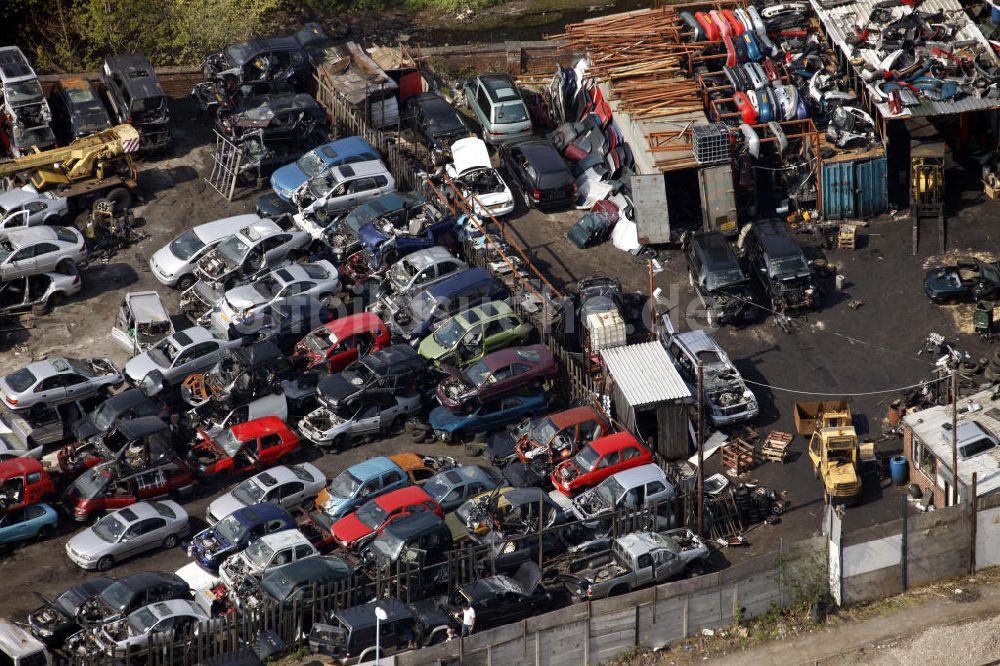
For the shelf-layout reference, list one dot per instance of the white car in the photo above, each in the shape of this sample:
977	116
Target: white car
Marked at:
40	249
173	264
377	413
318	279
269	551
482	186
26	207
286	485
179	355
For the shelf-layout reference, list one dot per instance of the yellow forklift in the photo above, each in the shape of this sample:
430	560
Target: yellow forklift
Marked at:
927	187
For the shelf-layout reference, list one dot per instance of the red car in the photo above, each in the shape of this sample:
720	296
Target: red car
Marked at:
342	341
599	460
23	481
114	485
246	447
371	518
497	374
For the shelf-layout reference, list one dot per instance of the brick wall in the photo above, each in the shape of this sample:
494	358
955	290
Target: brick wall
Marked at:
917	475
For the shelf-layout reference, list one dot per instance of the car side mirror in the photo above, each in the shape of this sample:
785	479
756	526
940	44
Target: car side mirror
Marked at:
151	384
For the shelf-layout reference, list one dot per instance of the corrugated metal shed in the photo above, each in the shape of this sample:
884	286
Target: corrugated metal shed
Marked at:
839	22
645	374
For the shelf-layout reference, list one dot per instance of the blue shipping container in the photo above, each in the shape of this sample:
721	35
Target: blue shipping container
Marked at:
855	189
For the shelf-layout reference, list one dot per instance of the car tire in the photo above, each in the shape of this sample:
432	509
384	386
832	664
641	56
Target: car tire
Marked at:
170	542
105	563
397	426
185	282
326	298
121	199
65	266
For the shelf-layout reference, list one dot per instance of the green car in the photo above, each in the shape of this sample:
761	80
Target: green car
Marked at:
499	109
473	333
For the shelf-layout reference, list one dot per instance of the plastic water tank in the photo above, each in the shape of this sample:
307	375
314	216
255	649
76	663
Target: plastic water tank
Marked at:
899	470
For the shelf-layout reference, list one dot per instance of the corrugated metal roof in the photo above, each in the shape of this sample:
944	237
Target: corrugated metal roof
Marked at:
839	22
645	374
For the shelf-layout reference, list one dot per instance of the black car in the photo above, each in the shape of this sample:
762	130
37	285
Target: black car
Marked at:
435	120
122	597
55	621
505	599
287	322
350	633
264	154
422	538
540	172
289	58
135	97
291	584
785	275
216	94
395	367
295	116
718	278
967	280
241	375
128	404
77	111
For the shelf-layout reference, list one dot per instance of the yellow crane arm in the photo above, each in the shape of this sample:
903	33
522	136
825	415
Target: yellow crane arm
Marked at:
77	160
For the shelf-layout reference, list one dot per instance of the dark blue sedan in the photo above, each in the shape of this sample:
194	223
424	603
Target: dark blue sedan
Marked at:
491	415
232	534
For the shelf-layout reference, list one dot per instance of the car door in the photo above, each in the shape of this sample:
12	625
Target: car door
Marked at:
202	355
51	389
275	248
16	219
13	526
291	493
47	255
129	543
21	262
121	332
151	484
367	420
392	480
269	450
77	386
644	569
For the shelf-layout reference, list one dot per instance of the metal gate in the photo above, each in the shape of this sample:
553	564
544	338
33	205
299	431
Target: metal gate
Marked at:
873	190
226	163
838	190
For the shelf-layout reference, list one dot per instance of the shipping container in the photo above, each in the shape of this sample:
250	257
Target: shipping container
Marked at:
855	188
718	199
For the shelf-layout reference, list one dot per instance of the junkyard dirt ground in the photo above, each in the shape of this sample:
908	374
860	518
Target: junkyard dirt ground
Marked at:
835	350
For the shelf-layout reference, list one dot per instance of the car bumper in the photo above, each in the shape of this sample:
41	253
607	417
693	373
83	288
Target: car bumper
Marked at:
79	561
161	276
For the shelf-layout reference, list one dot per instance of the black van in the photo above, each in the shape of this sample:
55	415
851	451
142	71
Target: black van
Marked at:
134	96
718	278
788	281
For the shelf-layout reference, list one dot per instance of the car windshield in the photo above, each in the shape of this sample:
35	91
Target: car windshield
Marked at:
372	515
22	380
437	487
233	249
92	482
388	545
544	431
80	95
320	341
345	485
445	121
163	353
23	92
142	620
311	164
610	490
450	333
105	415
402	272
229	443
186	245
480	374
268	286
259	553
422	307
249	492
321	185
117	596
109	528
512	112
723	278
230	528
12	442
359	375
240	53
587	458
783	265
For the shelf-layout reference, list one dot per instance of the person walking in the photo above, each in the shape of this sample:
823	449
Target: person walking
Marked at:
468	619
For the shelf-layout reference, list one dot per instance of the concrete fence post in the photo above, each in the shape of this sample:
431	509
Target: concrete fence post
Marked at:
684	615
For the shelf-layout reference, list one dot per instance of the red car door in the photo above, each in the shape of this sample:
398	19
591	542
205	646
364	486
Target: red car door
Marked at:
119	495
269	450
344	353
152	484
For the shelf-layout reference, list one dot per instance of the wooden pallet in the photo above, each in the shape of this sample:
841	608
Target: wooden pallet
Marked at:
847	237
775	446
738	456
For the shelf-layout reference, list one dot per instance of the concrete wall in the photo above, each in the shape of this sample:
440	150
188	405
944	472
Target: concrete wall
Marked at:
595	632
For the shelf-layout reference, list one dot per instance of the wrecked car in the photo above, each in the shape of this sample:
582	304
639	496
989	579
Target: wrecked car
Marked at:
599	460
122	597
176	356
161	620
486	416
138	528
245	447
234	532
174	263
636	488
397	368
288	58
286	485
412	273
264	555
343	187
348	150
214	95
435	122
504	599
25	114
497	374
469	335
420	538
482	186
372	415
27	433
727	398
350	632
358	527
287	585
284	117
359	483
142	321
717	277
600	314
441	300
334	345
452	487
25	207
125	438
241	375
23	481
130	403
135	97
341	233
781	268
967	280
55	621
77	111
38	293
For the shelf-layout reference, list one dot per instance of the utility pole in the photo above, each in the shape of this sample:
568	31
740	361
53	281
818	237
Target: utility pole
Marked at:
954	436
701	450
652	304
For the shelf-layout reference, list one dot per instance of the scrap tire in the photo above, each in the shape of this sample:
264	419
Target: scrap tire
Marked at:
185	282
121	199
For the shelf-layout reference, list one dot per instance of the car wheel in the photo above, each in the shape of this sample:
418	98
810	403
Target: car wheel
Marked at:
326	298
105	563
65	266
170	542
44	532
185	282
397	425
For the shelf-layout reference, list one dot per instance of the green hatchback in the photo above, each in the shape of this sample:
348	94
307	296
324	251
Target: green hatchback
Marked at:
470	334
498	107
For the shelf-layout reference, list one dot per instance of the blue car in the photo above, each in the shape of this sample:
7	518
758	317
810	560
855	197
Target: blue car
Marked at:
491	415
421	228
359	483
441	300
318	160
232	534
32	521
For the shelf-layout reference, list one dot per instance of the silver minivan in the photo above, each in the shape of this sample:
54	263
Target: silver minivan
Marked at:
344	187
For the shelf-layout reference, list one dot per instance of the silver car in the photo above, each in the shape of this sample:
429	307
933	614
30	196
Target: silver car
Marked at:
179	355
38	292
412	273
26	207
40	249
164	619
285	485
344	187
173	264
58	380
251	251
372	415
135	529
318	279
266	553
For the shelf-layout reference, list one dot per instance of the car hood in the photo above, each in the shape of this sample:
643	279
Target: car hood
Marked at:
349	529
140	366
89	121
430	349
85	428
286	179
441	418
942	279
86	542
468	154
500	445
224	505
371	237
334	506
242	298
165	260
337	388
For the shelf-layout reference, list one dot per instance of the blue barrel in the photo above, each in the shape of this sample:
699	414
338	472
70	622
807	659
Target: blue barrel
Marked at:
899	470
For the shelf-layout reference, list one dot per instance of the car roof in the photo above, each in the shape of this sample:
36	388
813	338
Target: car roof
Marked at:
227	226
637	476
14	66
363	615
542	155
458	281
284	538
145	579
256	354
575	415
434	102
484	312
259	513
18	196
614	442
494	83
140	77
510	355
309	568
698	341
265	425
31	235
397	354
141	426
172	607
74	83
369	168
413	524
333	151
366	469
428	256
465	474
404	496
714	249
355	323
127	399
261	228
146	306
17	642
16	466
140	511
775	238
284	473
193	335
55	365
